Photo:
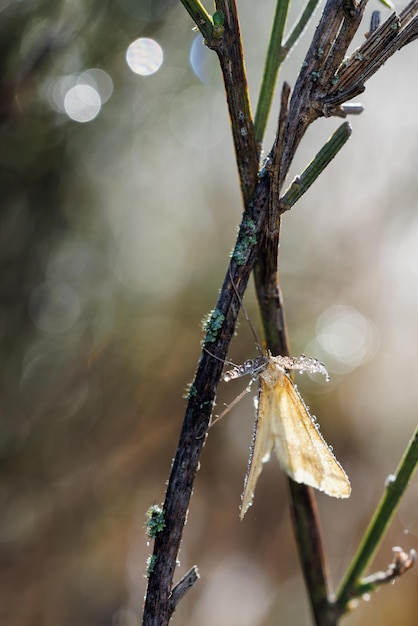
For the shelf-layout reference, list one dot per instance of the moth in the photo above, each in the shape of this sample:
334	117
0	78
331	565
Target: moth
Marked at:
283	424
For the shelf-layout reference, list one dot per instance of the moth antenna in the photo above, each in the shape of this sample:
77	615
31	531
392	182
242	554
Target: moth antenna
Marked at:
219	359
244	310
232	404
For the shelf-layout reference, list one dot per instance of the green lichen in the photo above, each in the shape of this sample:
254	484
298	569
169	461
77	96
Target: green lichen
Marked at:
191	391
248	238
212	323
239	253
155	521
150	564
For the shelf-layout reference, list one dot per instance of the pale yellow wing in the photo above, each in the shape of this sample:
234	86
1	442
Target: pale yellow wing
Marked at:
283	422
302	451
261	446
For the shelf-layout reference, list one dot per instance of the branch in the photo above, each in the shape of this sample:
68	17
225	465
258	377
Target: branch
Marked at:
352	586
221	34
183	587
201	397
391	36
337	27
302	183
402	562
200	16
254	248
276	54
228	47
274	59
307	529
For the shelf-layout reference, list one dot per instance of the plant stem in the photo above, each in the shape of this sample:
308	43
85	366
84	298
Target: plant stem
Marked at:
231	59
309	542
258	248
277	53
271	69
321	160
200	17
395	488
158	602
300	26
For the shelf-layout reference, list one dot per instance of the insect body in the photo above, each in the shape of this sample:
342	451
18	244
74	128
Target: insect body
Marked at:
283	423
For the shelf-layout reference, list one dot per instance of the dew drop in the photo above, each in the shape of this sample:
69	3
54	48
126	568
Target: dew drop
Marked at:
389	480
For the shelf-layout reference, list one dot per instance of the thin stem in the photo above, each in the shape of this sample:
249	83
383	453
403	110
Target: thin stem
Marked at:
395	488
276	55
225	39
303	506
301	114
271	69
321	160
299	26
311	553
220	329
228	47
253	244
200	16
182	587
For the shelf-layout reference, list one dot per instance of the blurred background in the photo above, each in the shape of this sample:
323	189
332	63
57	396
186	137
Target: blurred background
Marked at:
119	207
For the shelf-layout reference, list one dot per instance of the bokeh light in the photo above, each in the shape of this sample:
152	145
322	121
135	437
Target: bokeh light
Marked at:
144	56
345	339
99	80
203	62
82	103
81	96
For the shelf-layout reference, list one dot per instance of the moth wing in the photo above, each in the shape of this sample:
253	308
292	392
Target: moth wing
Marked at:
261	446
299	446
